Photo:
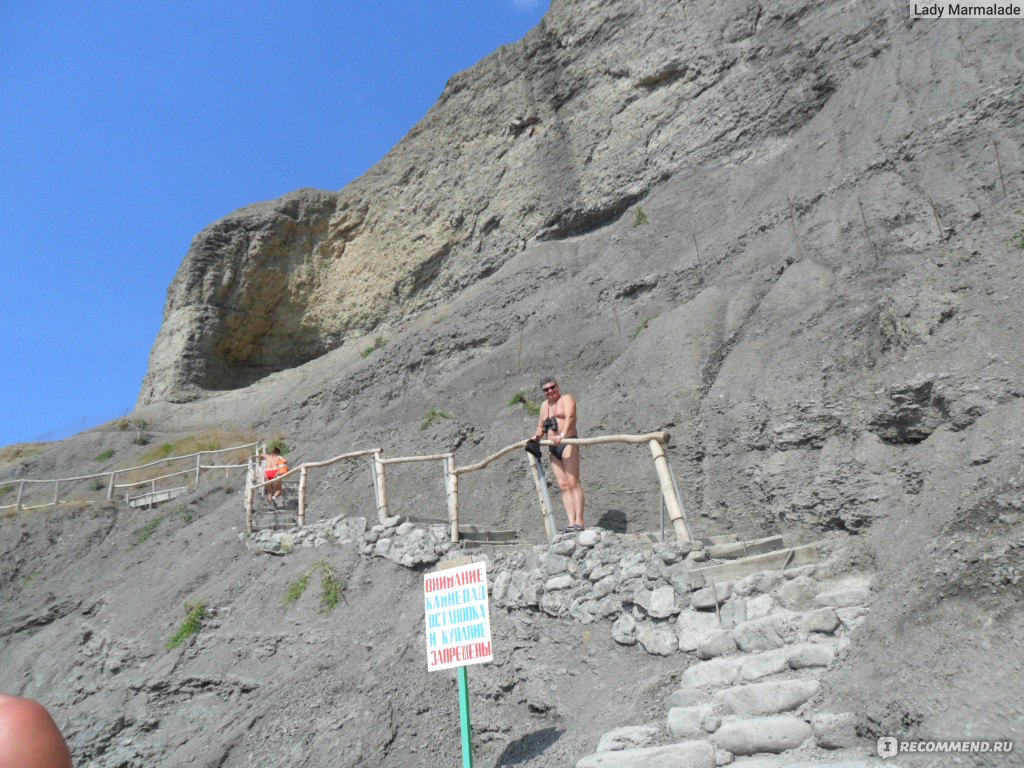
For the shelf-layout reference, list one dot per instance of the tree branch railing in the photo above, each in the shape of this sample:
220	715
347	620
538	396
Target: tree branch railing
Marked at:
656	441
111	476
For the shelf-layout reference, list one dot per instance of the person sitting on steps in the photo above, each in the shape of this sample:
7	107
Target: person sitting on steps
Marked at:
558	421
275	464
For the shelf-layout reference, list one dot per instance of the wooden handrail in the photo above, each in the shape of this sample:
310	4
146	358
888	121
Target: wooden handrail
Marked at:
413	459
661	437
132	469
290	472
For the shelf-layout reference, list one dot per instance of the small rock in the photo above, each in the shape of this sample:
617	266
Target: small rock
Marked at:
704	599
824	620
405	529
631	736
843	598
808	655
717	642
717	673
662	603
564	547
852	617
760	606
601	571
835	730
563	581
723	757
588	538
392	522
758	635
604	587
764	664
554	564
692	754
684	697
501	584
691	627
624	630
733	612
798	594
657	639
684	722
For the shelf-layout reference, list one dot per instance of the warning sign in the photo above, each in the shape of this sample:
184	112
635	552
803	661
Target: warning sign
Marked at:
458	617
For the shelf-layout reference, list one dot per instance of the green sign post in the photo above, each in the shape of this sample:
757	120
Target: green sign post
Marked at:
467	728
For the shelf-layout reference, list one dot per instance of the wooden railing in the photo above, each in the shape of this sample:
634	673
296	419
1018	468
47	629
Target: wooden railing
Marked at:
111	476
656	441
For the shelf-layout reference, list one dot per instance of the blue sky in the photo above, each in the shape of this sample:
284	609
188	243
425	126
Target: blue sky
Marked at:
127	127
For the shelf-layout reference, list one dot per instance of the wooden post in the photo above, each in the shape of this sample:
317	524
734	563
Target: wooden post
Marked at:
302	496
667	491
21	491
199	459
110	487
451	481
56	492
537	473
249	492
382	489
679	498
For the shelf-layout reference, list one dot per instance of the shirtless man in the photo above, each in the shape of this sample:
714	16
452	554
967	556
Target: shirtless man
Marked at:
276	464
28	736
558	421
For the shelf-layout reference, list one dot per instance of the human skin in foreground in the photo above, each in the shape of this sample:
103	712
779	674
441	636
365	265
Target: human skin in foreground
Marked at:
558	418
28	736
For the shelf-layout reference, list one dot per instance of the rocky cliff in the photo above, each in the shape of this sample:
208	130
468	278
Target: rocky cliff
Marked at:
554	136
787	233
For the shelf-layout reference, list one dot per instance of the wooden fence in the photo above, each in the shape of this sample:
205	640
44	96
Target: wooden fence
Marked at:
656	441
110	478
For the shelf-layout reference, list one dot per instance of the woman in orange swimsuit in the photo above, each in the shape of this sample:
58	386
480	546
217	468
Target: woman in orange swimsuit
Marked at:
275	464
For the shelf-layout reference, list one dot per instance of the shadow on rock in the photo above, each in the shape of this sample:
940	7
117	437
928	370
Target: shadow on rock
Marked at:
528	746
613	520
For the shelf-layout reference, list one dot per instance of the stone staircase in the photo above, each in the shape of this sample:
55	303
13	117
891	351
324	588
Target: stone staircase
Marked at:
765	625
283	516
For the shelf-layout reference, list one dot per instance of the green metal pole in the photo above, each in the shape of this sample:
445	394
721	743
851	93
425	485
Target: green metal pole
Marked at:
467	743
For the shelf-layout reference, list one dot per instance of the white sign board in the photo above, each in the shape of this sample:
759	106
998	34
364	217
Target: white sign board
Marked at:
458	617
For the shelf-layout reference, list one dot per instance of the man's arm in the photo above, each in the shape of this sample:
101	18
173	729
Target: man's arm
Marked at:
28	736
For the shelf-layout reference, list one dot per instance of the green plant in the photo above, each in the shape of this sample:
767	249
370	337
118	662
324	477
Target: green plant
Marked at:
194	615
185	513
432	417
143	532
287	545
378	343
29	579
1017	241
640	218
5	489
520	398
332	587
640	328
106	455
296	589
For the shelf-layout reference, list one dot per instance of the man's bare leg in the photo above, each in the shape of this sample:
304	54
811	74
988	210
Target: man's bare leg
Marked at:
567	473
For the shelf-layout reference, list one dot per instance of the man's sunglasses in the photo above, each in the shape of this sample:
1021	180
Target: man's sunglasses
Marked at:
552	388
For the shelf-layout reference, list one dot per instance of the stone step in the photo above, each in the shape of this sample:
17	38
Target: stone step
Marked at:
468	533
692	754
738	549
844	759
778	560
